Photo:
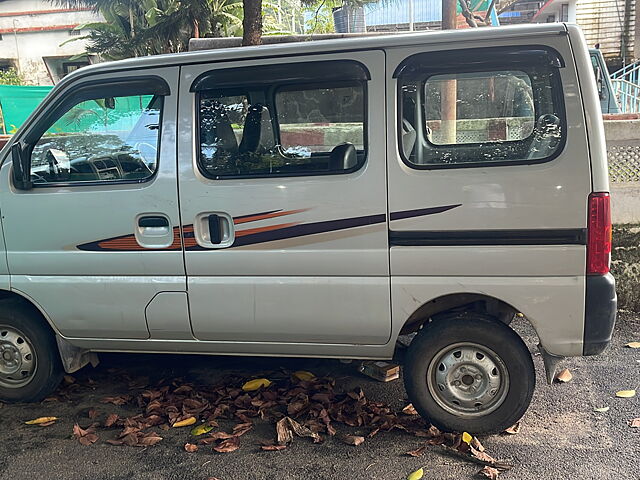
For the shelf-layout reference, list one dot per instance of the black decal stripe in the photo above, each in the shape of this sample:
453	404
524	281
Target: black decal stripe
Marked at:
304	230
421	212
576	236
256	214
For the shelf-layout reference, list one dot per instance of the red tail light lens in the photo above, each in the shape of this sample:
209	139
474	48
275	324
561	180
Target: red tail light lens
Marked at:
599	234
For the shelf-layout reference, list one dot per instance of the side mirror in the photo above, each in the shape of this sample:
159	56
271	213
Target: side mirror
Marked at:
21	171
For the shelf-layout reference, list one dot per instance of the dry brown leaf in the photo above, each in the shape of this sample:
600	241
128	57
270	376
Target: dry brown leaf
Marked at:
353	440
409	410
242	428
283	432
513	429
68	380
490	472
190	447
485	457
228	445
302	431
111	420
85	437
149	439
635	423
417	452
475	443
633	345
117	400
564	376
92	413
273	448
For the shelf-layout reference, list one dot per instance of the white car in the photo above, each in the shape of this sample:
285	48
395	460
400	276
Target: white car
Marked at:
317	199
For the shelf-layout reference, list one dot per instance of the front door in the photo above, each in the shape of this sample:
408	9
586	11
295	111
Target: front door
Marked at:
96	239
283	200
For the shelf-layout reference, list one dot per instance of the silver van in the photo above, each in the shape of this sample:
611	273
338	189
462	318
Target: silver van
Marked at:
317	199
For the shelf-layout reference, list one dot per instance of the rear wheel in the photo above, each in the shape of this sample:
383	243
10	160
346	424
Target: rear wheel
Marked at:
471	374
30	367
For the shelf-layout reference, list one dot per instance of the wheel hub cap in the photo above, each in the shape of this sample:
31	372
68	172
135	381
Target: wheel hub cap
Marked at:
17	358
468	380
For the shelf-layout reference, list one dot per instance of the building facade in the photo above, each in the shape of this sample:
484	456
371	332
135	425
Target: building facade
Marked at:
33	35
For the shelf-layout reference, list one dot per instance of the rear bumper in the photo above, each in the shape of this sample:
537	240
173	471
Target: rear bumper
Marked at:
600	313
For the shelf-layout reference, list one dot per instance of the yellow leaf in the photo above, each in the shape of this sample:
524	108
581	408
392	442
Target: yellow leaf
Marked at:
466	438
41	420
633	345
303	375
417	475
626	393
200	429
253	385
185	423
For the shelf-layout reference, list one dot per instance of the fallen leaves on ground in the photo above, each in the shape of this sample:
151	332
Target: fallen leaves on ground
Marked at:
190	447
513	429
409	410
184	423
354	440
304	375
490	472
85	437
564	376
299	405
42	421
626	393
253	385
417	475
601	409
228	445
633	345
635	423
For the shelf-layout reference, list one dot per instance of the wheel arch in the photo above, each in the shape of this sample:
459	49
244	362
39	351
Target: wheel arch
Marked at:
26	300
453	304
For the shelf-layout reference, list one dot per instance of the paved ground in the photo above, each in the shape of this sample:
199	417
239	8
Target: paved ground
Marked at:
561	436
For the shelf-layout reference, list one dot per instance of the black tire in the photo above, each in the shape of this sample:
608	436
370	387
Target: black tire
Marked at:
18	316
487	333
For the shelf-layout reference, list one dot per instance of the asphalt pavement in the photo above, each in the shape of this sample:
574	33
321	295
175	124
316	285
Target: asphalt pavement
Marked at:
561	435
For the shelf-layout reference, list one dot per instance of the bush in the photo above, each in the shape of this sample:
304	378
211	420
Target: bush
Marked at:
10	77
625	265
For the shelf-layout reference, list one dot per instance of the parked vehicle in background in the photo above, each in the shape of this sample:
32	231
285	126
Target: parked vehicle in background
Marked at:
608	100
318	199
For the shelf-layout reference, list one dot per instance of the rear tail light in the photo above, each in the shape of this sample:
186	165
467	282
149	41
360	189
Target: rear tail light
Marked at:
599	234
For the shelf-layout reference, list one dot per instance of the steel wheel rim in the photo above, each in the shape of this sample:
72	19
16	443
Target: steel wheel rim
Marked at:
17	358
468	380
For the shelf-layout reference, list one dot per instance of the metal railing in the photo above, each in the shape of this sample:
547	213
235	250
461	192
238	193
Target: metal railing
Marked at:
626	87
628	95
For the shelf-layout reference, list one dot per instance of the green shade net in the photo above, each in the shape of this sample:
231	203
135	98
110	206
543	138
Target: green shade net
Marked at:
17	103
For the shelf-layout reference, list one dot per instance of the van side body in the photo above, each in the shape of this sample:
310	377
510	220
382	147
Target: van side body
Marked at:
318	200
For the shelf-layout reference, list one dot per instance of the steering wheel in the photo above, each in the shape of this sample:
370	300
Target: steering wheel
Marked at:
136	147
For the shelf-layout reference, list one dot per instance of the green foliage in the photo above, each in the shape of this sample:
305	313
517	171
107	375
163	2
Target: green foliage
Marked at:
134	28
11	77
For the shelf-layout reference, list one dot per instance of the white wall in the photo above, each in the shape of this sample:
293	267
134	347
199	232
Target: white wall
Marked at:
27	49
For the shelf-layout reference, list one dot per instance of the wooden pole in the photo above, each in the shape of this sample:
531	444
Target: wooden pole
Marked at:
448	92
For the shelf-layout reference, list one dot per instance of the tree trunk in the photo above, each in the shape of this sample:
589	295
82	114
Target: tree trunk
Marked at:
252	22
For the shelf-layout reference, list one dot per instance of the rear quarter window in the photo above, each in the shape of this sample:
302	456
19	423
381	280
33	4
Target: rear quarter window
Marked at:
480	108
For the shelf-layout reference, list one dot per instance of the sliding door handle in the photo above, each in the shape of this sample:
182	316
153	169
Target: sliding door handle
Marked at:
215	230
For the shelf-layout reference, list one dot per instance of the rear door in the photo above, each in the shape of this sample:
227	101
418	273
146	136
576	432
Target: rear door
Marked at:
282	194
96	239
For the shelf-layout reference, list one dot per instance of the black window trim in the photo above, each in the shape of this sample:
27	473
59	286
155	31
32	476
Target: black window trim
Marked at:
276	126
140	85
489	65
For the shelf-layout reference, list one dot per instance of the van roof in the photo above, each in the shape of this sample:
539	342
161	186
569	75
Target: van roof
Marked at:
364	42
